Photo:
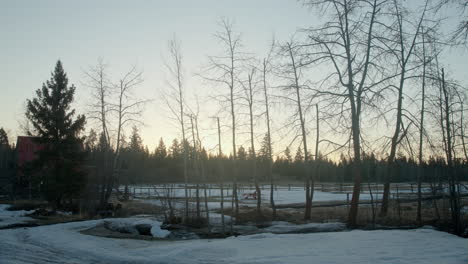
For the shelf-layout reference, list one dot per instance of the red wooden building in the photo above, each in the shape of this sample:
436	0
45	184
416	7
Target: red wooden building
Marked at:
26	150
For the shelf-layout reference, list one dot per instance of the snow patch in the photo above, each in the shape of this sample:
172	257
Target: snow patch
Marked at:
129	226
8	218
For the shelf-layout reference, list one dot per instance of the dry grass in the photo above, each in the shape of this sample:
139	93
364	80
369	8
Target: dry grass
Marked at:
26	205
404	216
130	208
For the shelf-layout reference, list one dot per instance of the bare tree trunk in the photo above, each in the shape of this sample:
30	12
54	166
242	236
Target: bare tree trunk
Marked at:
453	182
128	111
421	131
234	154
250	100
270	158
196	171
403	61
220	154
225	67
372	203
203	177
462	131
317	141
307	214
101	92
176	71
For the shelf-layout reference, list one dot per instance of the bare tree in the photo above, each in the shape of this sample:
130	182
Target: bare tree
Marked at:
101	92
421	130
403	52
196	168
249	91
221	185
459	34
294	70
224	70
99	109
176	95
116	100
454	188
128	110
266	69
345	43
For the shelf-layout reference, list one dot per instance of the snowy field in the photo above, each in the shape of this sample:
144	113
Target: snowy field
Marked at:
281	195
62	243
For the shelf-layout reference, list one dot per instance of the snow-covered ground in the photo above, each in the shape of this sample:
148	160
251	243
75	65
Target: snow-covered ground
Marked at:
8	218
62	243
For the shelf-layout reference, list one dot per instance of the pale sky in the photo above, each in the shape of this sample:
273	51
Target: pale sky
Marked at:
34	34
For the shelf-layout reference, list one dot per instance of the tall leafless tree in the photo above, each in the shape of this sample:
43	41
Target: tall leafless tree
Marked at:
119	101
345	43
221	181
128	109
403	52
176	96
101	92
447	125
266	69
224	70
99	108
249	95
293	68
421	130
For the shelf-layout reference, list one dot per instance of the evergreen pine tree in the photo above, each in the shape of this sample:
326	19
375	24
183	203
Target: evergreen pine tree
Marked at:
287	155
161	152
58	131
3	137
299	158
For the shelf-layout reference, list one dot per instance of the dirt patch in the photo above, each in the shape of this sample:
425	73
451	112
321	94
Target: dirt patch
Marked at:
130	208
101	231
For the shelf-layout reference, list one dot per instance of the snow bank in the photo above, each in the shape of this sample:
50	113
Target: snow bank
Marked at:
129	225
63	243
8	218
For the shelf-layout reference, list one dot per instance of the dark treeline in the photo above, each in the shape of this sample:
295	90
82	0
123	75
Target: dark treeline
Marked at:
139	165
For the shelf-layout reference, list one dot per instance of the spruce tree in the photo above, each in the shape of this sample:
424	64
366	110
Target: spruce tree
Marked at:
58	131
3	138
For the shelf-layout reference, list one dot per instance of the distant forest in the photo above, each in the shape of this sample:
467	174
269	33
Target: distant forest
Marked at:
165	165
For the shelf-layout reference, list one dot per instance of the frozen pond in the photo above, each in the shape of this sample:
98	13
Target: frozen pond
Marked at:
282	194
